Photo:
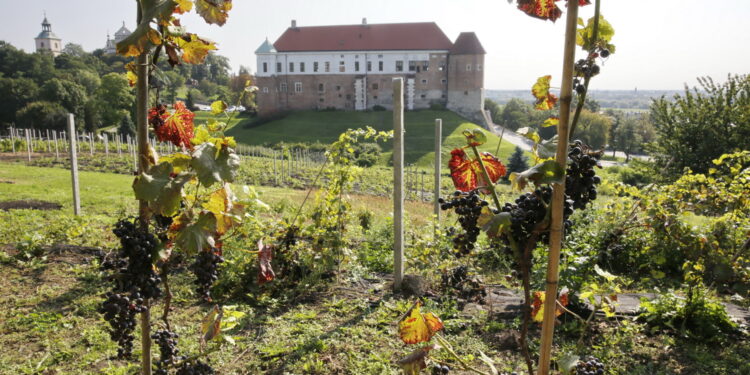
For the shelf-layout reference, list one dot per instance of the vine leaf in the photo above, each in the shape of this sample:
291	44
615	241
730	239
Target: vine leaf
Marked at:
552	121
219	203
194	48
537	312
415	361
467	173
530	134
211	325
193	237
176	127
180	162
547	172
183	6
218	107
214	164
265	272
144	36
542	9
544	99
585	35
130	73
416	327
161	188
214	11
491	223
475	137
567	362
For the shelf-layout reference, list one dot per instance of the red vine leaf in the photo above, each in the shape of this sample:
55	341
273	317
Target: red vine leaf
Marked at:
265	254
176	127
544	99
537	312
467	173
416	327
542	9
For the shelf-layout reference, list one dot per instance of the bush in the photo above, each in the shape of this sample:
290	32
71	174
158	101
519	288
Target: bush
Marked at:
437	106
378	108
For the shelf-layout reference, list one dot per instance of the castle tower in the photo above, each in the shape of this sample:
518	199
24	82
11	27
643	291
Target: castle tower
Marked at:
466	76
47	41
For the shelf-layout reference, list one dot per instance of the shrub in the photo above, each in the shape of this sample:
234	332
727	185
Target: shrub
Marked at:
378	108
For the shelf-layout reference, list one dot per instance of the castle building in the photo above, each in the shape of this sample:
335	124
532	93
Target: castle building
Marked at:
111	46
351	67
47	41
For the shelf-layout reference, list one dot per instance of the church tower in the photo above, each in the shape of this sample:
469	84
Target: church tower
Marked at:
47	41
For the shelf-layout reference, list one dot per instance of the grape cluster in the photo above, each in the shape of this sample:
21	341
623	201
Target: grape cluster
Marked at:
529	210
438	369
206	270
168	352
119	311
195	368
580	177
468	206
589	366
138	248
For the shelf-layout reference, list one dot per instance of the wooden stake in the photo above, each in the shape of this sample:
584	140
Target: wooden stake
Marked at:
398	182
28	144
57	153
438	165
558	192
74	165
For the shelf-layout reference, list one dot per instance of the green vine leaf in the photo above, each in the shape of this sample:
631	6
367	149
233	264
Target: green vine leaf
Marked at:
547	172
475	137
491	223
567	363
161	188
144	37
214	164
193	237
585	35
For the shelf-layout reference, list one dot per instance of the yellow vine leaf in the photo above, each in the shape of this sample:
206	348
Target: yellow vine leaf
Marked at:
183	6
195	50
416	327
544	99
214	11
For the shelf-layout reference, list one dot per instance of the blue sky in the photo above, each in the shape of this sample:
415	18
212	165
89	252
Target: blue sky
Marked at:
661	44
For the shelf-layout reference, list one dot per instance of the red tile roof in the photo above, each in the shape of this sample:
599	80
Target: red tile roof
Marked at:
467	43
373	37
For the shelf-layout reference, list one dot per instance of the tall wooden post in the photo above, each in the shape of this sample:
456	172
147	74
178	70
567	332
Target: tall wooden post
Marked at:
558	192
74	165
438	154
28	144
398	182
57	152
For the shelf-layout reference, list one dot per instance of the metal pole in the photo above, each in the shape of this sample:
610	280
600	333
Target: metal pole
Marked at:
74	165
398	182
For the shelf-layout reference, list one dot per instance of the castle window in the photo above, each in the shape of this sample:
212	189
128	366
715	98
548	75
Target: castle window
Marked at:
321	87
315	67
265	90
321	100
468	67
380	66
265	67
342	56
466	93
369	66
297	86
479	67
380	56
56	46
342	67
425	66
348	96
356	66
443	81
338	88
441	67
291	67
412	66
424	81
278	67
374	86
374	96
399	66
283	87
302	67
42	44
328	66
423	96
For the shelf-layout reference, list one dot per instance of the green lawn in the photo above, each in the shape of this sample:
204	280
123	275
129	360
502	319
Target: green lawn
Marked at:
325	127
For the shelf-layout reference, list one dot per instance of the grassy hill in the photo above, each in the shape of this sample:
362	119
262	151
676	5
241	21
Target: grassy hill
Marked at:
325	127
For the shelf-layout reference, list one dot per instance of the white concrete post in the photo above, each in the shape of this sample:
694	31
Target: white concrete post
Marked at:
28	144
398	182
74	165
438	155
57	150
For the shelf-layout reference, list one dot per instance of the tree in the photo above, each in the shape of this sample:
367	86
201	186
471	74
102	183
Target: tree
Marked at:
126	126
115	97
15	93
593	129
42	115
633	133
515	114
494	109
517	162
189	100
69	94
702	124
173	82
73	49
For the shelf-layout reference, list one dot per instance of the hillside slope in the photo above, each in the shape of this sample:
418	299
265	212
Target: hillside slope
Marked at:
325	127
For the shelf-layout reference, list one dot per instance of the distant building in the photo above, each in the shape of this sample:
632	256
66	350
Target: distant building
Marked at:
111	46
352	66
47	41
